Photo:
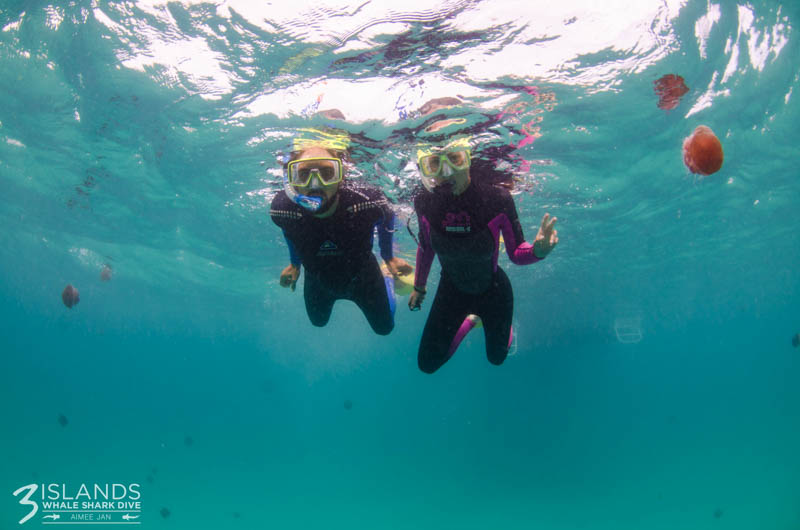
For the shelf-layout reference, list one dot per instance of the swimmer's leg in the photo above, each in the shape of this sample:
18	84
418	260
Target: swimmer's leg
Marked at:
447	315
319	300
468	325
496	312
375	296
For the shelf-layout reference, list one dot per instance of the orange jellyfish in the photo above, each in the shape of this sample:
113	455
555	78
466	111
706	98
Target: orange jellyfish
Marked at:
669	89
106	273
702	151
70	296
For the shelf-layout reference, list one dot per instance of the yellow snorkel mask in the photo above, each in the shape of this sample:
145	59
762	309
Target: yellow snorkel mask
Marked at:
439	166
301	173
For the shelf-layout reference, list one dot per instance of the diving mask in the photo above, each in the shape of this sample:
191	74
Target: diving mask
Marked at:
431	165
327	170
439	166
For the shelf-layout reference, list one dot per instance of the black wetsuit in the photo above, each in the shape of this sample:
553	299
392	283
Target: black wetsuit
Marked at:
464	230
336	253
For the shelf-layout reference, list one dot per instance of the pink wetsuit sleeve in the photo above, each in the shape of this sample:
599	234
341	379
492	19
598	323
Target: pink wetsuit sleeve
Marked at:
425	253
519	252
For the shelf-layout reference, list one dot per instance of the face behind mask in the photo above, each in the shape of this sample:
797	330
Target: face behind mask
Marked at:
313	180
445	171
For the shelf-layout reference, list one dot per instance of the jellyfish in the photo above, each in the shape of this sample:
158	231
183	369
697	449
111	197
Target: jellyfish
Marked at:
435	104
702	151
105	274
333	114
70	296
670	89
441	124
796	340
165	512
348	404
188	441
62	420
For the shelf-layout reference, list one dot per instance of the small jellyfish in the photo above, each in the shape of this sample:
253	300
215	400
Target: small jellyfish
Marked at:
796	340
717	513
105	274
237	515
165	512
188	441
702	151
62	420
441	124
332	114
669	89
70	296
348	404
435	104
149	479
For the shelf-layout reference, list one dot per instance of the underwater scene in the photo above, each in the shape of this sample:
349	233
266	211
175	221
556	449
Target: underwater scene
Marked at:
450	264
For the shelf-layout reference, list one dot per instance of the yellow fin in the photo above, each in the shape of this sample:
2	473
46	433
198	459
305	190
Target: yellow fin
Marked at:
403	284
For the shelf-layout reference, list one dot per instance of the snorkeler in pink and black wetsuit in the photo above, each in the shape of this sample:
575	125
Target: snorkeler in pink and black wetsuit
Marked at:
461	219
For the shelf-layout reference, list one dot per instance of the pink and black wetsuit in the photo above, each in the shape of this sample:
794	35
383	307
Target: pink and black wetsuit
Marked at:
464	230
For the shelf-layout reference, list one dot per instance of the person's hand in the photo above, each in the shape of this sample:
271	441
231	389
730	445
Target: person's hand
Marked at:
398	266
289	276
415	300
547	237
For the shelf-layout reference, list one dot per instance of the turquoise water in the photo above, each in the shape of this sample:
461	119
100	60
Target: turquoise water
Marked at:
654	384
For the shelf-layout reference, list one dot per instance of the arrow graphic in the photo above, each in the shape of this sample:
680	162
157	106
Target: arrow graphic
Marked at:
53	516
128	517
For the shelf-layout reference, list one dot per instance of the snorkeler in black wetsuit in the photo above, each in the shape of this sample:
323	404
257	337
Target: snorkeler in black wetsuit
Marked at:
330	231
461	219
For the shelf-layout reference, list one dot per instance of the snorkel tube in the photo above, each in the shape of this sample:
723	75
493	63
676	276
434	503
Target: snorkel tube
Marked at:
312	204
